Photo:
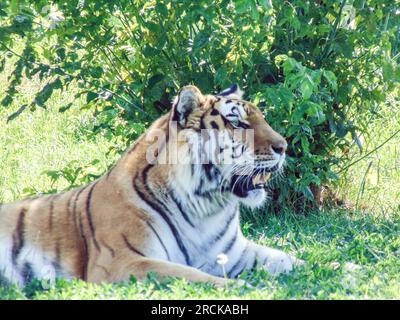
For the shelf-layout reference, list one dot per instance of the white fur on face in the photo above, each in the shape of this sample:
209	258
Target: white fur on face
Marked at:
255	198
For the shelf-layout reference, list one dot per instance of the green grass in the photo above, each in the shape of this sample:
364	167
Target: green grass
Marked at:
326	241
45	140
374	182
368	236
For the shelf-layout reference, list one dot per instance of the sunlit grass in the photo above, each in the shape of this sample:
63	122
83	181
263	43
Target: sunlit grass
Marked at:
373	184
44	140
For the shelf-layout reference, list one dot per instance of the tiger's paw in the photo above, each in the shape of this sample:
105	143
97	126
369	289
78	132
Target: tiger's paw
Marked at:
279	262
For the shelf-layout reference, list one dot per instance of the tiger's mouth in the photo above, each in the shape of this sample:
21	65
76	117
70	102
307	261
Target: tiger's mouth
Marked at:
241	185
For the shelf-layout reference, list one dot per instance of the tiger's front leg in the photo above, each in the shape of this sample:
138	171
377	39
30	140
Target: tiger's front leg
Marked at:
273	260
124	266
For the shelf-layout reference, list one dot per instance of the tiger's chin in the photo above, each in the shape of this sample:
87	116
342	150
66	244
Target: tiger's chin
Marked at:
255	198
250	192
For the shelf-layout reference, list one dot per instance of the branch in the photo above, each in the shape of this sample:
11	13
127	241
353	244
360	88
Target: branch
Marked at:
369	153
78	78
332	33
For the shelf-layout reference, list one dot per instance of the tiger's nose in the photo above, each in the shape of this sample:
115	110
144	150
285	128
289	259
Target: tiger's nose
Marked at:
279	147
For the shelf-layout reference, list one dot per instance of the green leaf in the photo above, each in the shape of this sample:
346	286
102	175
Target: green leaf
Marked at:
307	87
154	27
201	40
61	53
289	64
388	71
53	174
96	72
90	96
331	78
305	144
162	9
154	80
313	108
267	4
149	51
242	6
280	59
253	10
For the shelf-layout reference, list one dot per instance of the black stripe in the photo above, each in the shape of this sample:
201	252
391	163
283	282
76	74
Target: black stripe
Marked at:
232	115
27	273
214	112
178	204
199	189
104	269
230	243
214	125
207	169
157	207
112	251
51	213
243	125
175	113
76	200
85	250
89	216
85	245
228	91
254	266
57	260
159	239
131	247
236	112
265	261
74	212
237	273
18	236
225	120
69	205
223	231
233	273
174	231
202	123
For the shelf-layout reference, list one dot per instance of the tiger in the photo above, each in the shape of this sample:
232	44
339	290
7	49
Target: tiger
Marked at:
149	214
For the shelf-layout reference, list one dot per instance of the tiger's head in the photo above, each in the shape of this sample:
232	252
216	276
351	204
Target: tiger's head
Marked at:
225	146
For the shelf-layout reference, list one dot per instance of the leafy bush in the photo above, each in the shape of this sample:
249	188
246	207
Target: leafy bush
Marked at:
318	69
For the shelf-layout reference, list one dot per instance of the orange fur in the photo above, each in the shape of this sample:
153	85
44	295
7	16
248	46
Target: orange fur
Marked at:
100	232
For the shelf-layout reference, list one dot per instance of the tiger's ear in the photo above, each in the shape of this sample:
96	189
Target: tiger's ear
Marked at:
232	92
188	99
